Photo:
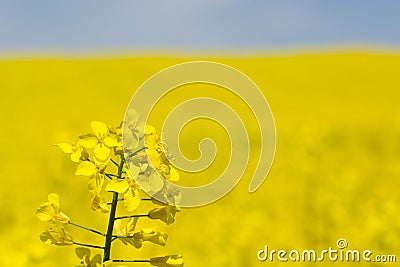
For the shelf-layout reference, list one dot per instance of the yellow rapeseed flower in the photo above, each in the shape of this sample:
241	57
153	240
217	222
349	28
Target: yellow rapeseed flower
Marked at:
102	141
98	203
77	151
56	235
155	150
133	129
169	195
128	187
84	255
95	171
167	261
132	198
118	186
125	228
154	146
165	214
49	211
138	159
150	180
149	235
88	168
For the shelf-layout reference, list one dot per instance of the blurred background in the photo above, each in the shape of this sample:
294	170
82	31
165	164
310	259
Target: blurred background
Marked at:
329	70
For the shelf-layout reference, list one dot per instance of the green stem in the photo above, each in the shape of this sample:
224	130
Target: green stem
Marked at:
111	219
119	199
121	165
115	163
131	216
107	246
137	151
108	176
112	175
87	245
122	236
86	228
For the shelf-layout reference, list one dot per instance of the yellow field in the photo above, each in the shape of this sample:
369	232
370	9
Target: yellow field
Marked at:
336	173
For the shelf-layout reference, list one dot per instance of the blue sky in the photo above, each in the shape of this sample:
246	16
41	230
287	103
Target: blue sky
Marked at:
113	25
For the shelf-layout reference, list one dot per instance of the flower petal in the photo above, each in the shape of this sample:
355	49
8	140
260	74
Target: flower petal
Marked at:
76	155
81	252
131	225
54	199
86	168
132	171
99	203
120	187
155	237
45	212
151	184
99	128
131	116
56	235
173	174
111	141
95	183
153	157
149	129
167	261
66	148
101	152
165	214
131	141
96	261
88	140
132	199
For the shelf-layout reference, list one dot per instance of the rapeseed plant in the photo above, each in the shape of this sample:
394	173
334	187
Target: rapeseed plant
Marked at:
95	153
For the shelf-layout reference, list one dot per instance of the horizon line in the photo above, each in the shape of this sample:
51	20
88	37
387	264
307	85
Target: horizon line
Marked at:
283	51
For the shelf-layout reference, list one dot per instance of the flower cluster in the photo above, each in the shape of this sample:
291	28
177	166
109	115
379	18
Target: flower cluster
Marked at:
151	165
49	211
112	174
